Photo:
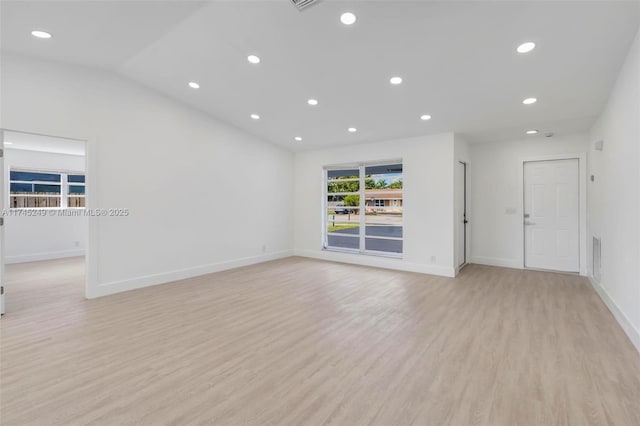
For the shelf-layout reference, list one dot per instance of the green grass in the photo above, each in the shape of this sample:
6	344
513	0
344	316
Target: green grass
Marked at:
341	227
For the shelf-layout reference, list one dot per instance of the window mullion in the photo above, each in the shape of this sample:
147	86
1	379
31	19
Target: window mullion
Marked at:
64	191
362	209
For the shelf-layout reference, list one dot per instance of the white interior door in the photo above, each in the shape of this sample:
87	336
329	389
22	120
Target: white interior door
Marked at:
552	215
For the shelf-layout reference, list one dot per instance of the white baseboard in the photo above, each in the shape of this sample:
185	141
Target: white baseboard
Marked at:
627	326
106	289
497	261
377	262
35	257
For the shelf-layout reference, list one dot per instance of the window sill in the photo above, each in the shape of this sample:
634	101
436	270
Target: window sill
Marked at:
399	256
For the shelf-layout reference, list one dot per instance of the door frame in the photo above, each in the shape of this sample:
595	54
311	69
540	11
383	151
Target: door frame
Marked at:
582	211
91	221
2	210
465	209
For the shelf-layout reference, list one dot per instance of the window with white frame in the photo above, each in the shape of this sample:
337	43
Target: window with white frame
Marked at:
364	208
75	190
35	189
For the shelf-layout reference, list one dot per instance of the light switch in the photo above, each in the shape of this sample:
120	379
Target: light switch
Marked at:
510	210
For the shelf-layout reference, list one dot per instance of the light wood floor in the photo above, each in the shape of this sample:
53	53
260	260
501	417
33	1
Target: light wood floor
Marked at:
300	341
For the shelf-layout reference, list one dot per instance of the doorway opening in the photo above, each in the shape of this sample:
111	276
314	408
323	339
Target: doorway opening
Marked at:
45	226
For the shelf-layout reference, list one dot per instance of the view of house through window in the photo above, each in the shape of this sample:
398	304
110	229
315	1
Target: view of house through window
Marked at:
364	207
30	189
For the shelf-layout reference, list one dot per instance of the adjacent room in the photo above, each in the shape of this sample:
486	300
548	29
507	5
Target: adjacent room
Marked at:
46	229
301	212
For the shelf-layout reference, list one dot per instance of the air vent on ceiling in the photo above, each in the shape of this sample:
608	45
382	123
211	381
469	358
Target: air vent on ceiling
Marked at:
301	4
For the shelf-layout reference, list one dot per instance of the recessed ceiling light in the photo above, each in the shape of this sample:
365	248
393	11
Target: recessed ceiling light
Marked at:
8	143
255	116
348	18
40	34
352	129
532	132
253	59
530	101
312	102
526	47
298	138
194	85
425	117
395	80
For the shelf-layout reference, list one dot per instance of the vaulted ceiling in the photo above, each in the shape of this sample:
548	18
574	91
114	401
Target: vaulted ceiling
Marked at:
458	61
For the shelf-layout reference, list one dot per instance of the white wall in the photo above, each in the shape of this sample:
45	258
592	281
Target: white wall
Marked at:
614	196
428	200
496	194
203	196
31	238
